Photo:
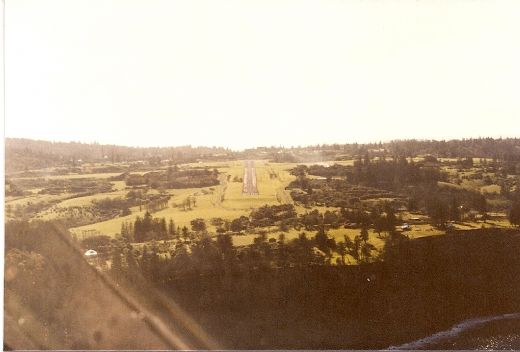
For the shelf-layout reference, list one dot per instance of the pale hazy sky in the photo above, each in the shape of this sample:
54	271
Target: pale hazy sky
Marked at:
261	72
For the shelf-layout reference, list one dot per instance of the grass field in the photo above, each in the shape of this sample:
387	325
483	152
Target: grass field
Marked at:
227	201
337	234
224	201
490	189
69	177
35	198
81	201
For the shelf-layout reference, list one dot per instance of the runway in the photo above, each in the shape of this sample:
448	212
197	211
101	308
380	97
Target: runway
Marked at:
250	187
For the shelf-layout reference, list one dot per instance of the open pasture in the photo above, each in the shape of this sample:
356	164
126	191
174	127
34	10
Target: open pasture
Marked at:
225	200
71	176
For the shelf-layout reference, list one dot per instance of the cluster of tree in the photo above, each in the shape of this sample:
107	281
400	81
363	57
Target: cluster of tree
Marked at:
269	215
510	189
148	228
381	217
335	170
440	203
239	224
81	186
384	174
80	215
148	199
101	243
514	213
151	202
12	190
283	157
283	215
29	209
465	163
446	203
333	193
314	219
173	177
189	202
158	203
210	256
119	205
299	252
134	179
192	178
198	225
418	183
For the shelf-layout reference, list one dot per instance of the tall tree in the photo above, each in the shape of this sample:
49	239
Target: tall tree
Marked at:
514	213
341	249
198	225
171	229
116	268
185	233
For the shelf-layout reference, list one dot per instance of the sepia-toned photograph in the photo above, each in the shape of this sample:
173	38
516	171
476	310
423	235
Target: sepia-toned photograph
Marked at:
261	175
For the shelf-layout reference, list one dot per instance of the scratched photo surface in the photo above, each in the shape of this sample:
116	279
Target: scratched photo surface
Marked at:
229	174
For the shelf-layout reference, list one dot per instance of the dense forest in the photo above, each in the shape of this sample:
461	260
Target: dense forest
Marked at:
281	295
23	154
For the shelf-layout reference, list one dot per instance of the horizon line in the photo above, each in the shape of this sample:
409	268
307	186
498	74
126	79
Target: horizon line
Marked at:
381	141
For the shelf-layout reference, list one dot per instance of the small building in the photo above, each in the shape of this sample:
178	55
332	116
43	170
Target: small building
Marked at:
416	220
91	253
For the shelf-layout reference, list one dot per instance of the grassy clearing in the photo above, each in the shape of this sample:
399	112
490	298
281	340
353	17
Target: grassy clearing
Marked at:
344	162
337	234
49	214
447	160
271	180
423	230
119	185
449	185
224	201
87	200
491	189
36	198
205	208
69	177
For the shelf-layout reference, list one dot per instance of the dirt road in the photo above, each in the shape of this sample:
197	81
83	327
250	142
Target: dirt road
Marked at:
249	178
